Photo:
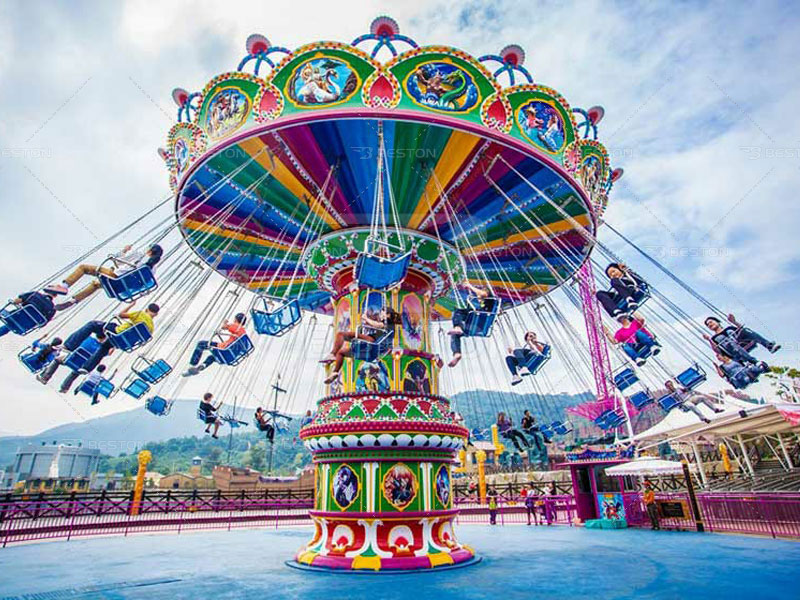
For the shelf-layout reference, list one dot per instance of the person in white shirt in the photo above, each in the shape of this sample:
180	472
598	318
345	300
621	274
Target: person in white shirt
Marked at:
124	261
94	378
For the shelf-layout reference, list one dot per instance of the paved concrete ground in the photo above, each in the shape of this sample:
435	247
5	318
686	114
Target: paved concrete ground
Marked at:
518	562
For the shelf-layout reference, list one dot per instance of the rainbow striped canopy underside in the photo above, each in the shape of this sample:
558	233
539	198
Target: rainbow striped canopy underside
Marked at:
251	205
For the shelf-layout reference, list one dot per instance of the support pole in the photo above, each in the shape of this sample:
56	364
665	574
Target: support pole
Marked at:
699	461
744	455
480	456
785	451
698	517
138	488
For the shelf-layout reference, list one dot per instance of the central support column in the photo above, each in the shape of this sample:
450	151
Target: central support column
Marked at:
383	444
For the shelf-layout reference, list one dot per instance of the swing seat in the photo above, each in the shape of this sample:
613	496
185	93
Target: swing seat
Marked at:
263	427
235	353
81	355
691	377
372	351
381	273
640	296
131	338
547	431
277	321
158	406
516	459
610	419
22	319
668	402
640	399
625	378
151	371
29	358
233	421
479	322
561	428
537	361
135	387
503	459
103	388
480	435
129	286
205	417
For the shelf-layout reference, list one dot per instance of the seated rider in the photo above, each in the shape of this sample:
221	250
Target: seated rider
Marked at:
100	330
230	331
627	289
210	412
41	301
371	330
530	427
486	303
518	358
736	340
635	339
264	423
737	374
94	378
689	400
124	261
44	352
307	418
505	428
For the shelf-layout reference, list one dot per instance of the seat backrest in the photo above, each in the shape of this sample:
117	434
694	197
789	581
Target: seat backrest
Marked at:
135	387
22	320
625	379
158	406
235	353
152	372
129	286
277	321
691	377
379	273
131	338
640	399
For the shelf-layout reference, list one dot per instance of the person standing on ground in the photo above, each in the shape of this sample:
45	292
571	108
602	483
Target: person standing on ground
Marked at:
649	498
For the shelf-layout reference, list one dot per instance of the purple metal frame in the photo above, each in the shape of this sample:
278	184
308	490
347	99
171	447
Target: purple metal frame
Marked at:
601	363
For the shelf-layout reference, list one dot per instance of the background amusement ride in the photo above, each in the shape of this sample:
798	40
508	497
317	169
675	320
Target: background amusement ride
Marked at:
391	187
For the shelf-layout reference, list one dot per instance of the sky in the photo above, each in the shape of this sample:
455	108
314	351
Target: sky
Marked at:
700	103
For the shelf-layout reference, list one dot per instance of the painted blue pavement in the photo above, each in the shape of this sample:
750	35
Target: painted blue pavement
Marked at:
518	562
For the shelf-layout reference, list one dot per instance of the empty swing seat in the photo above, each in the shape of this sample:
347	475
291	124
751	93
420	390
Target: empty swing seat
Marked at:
547	431
151	371
380	273
22	319
610	419
537	361
625	379
131	338
135	387
372	351
103	388
640	400
277	321
561	428
235	353
691	377
129	286
479	321
158	406
668	402
81	355
30	358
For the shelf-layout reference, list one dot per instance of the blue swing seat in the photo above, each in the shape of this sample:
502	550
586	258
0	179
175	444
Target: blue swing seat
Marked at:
103	388
537	361
235	353
547	431
131	338
30	358
151	371
135	387
625	378
158	406
277	321
380	273
610	419
206	417
503	459
129	286
372	351
561	428
81	355
479	322
22	319
640	399
516	459
480	434
691	377
668	402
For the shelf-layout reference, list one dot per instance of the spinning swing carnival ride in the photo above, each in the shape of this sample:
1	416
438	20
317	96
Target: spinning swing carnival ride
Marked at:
327	181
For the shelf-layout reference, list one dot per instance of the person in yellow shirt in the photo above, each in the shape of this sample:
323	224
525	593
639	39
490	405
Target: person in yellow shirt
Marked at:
134	317
649	498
